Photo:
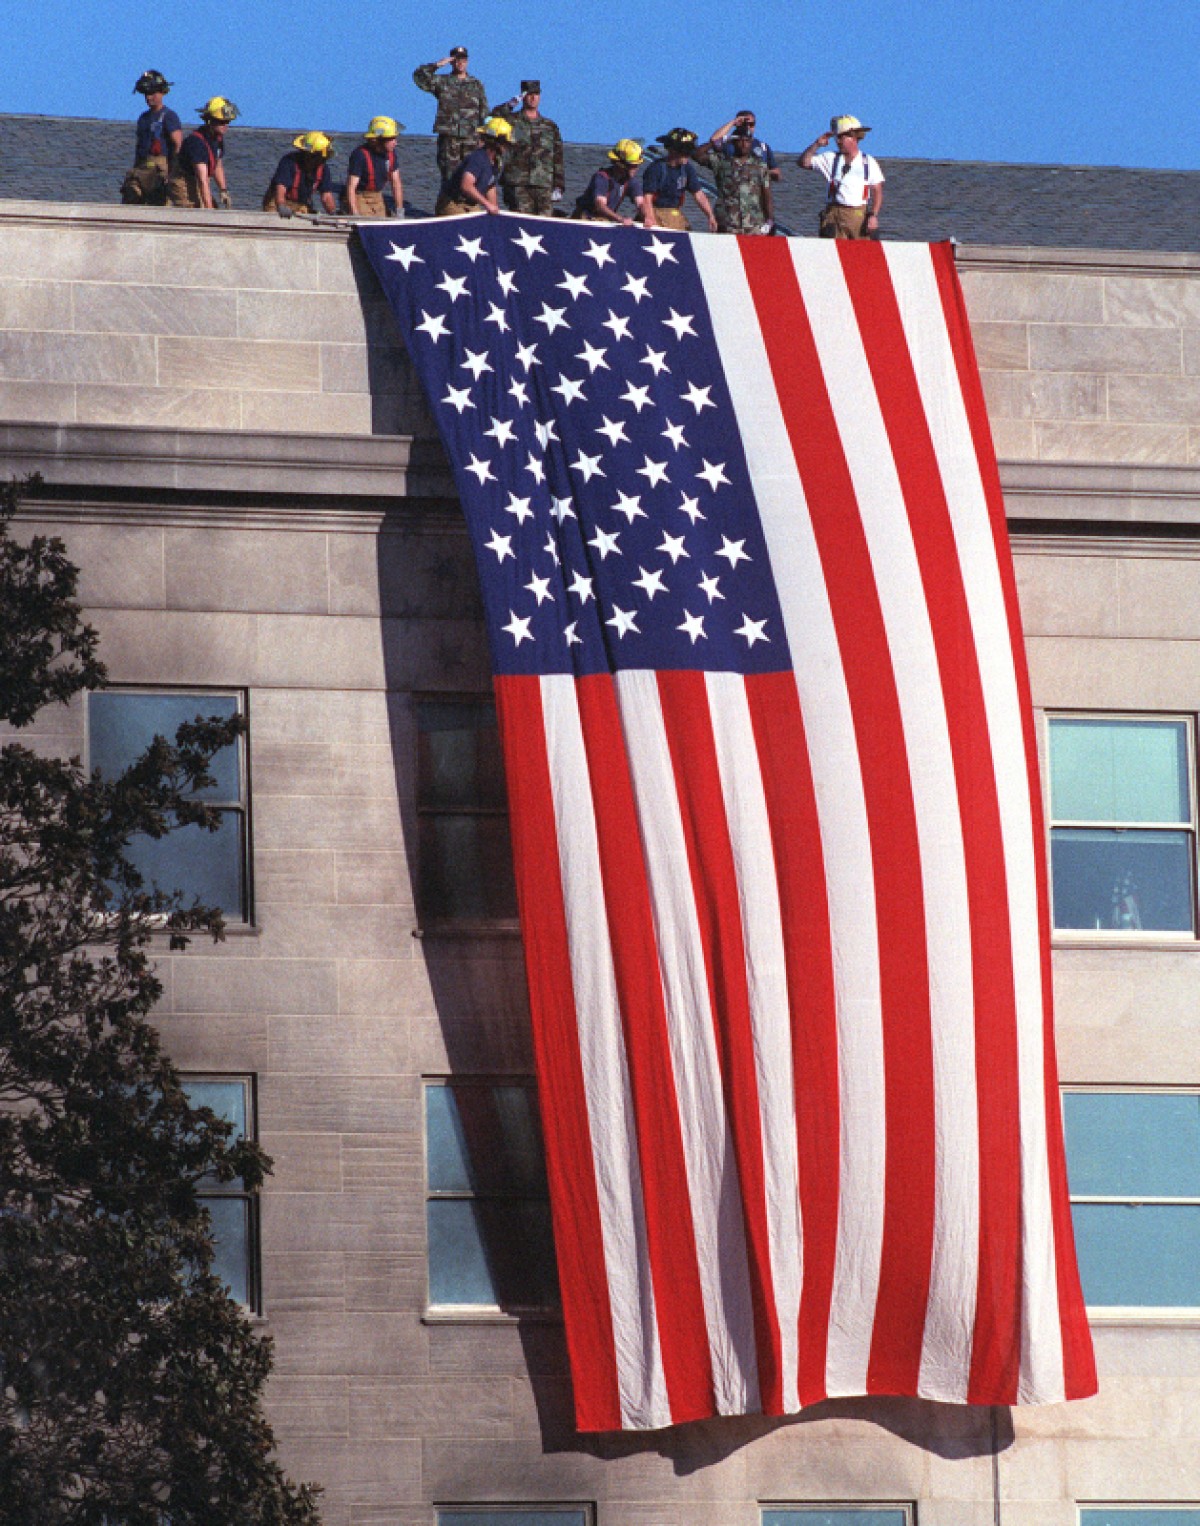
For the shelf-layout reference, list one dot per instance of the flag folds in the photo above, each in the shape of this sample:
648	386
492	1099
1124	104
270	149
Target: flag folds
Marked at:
775	809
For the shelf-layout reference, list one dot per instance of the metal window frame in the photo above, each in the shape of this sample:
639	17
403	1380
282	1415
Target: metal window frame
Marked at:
810	1507
251	1197
1130	1505
446	1512
240	807
466	701
476	1311
1135	1313
1113	935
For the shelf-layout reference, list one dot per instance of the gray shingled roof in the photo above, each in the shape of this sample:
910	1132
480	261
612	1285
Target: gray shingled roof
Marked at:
1057	206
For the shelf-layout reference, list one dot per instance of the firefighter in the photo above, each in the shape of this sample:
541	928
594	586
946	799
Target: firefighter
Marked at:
301	175
199	164
617	181
472	186
462	107
159	136
667	182
373	166
855	195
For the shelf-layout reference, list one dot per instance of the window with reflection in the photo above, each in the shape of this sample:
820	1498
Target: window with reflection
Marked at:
1123	831
838	1515
518	1515
1133	1160
1140	1515
465	852
487	1208
121	724
231	1209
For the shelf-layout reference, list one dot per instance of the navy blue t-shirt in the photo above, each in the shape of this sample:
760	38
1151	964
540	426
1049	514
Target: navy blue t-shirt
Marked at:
604	186
668	183
154	129
301	184
372	166
198	148
477	163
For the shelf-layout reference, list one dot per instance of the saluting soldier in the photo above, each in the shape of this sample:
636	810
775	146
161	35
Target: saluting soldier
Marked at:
744	201
533	162
462	107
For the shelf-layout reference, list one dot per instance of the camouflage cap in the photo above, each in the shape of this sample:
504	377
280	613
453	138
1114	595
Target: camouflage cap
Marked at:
531	87
458	52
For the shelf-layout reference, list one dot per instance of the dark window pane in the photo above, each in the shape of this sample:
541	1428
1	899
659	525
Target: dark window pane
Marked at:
490	1252
466	867
1124	881
1143	1515
1115	770
823	1515
560	1517
122	726
1133	1144
1138	1254
200	863
459	756
231	1234
484	1138
227	1099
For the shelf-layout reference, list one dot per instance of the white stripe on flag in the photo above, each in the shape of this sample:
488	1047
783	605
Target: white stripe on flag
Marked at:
946	1357
841	807
766	978
612	1125
716	1199
1042	1379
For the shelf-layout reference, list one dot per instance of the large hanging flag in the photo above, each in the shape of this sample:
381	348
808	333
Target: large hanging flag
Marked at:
775	809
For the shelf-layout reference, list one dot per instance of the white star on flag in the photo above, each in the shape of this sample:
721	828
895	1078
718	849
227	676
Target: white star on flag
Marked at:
693	626
534	466
732	551
637	287
476	362
661	249
501	545
569	633
501	431
587	466
650	583
552	550
598	252
714	475
540	589
517	390
593	356
517	627
673	546
629	504
546	430
708	584
472	248
482	469
552	317
497	315
698	397
614	430
527	355
459	398
453	286
653	471
432	324
691	507
576	285
605	543
531	243
623	620
406	255
619	325
519	507
639	397
582	588
508	281
656	360
561	509
572	391
674	433
681	323
752	630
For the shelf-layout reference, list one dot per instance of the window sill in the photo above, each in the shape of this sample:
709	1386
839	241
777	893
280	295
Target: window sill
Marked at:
1179	943
482	1314
1142	1317
161	935
504	928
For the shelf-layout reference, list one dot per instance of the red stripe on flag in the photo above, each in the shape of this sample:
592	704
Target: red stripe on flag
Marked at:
1079	1362
670	1234
895	851
995	1363
578	1237
688	726
804	910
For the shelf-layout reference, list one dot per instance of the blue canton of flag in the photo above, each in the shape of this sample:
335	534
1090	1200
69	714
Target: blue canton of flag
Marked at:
576	383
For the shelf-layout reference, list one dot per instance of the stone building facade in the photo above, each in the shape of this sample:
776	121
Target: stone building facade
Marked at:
233	449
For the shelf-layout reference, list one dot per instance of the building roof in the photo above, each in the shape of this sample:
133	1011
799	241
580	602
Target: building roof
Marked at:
77	159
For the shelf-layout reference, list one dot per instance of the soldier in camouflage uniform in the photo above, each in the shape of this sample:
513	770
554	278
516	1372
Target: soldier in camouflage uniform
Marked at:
462	106
744	200
533	164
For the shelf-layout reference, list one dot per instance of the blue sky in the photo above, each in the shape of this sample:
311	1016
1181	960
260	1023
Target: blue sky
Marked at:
1063	81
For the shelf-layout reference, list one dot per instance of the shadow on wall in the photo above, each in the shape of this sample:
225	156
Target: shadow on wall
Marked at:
397	404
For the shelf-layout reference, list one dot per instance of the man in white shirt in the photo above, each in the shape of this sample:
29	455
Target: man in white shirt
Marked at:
855	180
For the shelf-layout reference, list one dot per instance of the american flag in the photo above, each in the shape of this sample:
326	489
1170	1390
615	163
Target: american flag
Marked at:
775	809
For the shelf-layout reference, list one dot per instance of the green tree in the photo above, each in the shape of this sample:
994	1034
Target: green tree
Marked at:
130	1383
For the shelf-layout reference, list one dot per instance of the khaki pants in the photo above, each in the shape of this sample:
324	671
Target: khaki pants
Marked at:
299	208
843	222
146	184
183	190
448	208
671	217
370	204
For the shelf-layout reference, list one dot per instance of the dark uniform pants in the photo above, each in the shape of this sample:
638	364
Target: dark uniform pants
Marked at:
146	184
537	200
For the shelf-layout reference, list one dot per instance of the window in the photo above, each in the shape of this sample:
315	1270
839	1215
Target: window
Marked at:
518	1515
211	865
1123	824
838	1515
465	856
1133	1158
232	1210
488	1214
1140	1515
